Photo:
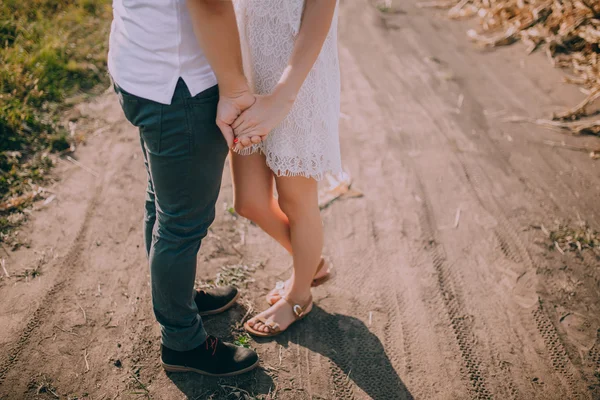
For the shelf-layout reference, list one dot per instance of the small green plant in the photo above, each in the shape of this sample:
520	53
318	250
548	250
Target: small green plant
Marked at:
243	340
384	6
30	273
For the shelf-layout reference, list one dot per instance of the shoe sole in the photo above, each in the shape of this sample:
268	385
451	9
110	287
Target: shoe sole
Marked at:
222	309
178	368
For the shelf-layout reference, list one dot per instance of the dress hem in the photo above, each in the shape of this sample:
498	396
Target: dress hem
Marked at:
287	173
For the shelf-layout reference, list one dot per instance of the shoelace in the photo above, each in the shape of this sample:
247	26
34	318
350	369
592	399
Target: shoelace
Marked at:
212	344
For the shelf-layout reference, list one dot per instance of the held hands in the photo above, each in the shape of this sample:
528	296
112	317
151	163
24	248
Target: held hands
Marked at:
255	123
231	104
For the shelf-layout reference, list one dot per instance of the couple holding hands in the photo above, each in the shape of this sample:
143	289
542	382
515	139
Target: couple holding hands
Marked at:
256	79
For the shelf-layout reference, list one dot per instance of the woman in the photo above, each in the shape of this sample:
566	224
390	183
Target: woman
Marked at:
291	62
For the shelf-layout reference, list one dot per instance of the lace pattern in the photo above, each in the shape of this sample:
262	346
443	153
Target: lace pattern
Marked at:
306	143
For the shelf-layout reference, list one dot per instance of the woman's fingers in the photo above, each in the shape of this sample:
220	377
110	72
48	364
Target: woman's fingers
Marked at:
245	141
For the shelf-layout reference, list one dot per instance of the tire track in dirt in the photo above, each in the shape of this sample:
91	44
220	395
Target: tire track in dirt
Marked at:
342	387
514	249
511	253
412	333
70	262
405	354
389	234
448	284
450	292
594	352
558	355
509	242
396	308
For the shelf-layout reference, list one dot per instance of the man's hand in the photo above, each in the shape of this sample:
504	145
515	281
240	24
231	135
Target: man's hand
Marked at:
254	124
217	33
231	105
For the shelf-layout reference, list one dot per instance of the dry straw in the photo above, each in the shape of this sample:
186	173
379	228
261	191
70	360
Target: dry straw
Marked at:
567	30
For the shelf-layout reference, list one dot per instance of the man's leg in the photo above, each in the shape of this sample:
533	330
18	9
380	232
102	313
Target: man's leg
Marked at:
185	153
150	206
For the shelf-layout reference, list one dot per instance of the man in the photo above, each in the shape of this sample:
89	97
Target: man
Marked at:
165	59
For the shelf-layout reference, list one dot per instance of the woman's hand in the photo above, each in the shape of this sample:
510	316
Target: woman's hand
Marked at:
254	124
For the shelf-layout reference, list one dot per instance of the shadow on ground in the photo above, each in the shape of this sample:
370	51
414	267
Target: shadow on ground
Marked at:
354	350
197	387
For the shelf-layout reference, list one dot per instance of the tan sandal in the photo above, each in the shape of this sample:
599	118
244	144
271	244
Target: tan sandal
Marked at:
279	289
300	312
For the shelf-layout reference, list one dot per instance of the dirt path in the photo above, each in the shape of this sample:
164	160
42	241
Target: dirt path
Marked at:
443	290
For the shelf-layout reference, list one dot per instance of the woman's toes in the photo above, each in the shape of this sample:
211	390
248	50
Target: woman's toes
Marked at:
274	298
251	323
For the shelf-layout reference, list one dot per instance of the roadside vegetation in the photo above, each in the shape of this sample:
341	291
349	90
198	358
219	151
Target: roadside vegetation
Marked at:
50	50
567	31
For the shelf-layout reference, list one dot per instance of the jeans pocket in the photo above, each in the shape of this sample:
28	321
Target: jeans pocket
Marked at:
150	124
129	103
175	137
129	109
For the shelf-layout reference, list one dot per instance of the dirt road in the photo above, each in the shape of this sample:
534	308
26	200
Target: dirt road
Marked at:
445	288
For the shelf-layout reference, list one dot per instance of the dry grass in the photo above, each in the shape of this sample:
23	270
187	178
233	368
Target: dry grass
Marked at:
578	238
238	275
568	31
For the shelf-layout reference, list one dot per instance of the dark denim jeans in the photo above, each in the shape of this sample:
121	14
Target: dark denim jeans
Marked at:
184	153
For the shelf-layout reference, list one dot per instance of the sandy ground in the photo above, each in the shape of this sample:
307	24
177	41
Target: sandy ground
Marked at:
443	288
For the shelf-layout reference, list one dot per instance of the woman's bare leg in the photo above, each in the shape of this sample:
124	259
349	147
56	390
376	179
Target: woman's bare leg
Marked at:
253	199
298	199
253	196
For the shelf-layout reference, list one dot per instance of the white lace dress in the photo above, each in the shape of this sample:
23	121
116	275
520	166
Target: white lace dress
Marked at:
306	143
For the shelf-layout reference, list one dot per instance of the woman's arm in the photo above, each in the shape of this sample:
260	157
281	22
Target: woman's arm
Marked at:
270	110
316	22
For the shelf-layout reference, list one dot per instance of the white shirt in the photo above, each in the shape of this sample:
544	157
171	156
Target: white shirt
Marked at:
152	44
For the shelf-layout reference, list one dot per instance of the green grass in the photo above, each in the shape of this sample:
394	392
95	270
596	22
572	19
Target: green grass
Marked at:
243	340
49	50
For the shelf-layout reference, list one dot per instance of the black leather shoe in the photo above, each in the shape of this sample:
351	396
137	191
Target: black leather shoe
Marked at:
212	358
216	300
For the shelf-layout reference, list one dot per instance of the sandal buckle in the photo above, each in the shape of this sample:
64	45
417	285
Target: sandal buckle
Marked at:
298	311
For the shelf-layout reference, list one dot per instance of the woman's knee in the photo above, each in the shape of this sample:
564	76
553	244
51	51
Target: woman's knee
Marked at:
250	208
293	207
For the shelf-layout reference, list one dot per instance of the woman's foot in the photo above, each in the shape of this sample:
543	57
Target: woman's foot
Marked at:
282	288
279	316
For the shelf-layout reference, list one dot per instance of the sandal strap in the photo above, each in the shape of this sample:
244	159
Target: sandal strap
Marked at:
321	265
280	285
273	326
298	309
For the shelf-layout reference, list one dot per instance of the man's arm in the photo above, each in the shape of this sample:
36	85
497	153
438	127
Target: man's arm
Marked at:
217	33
